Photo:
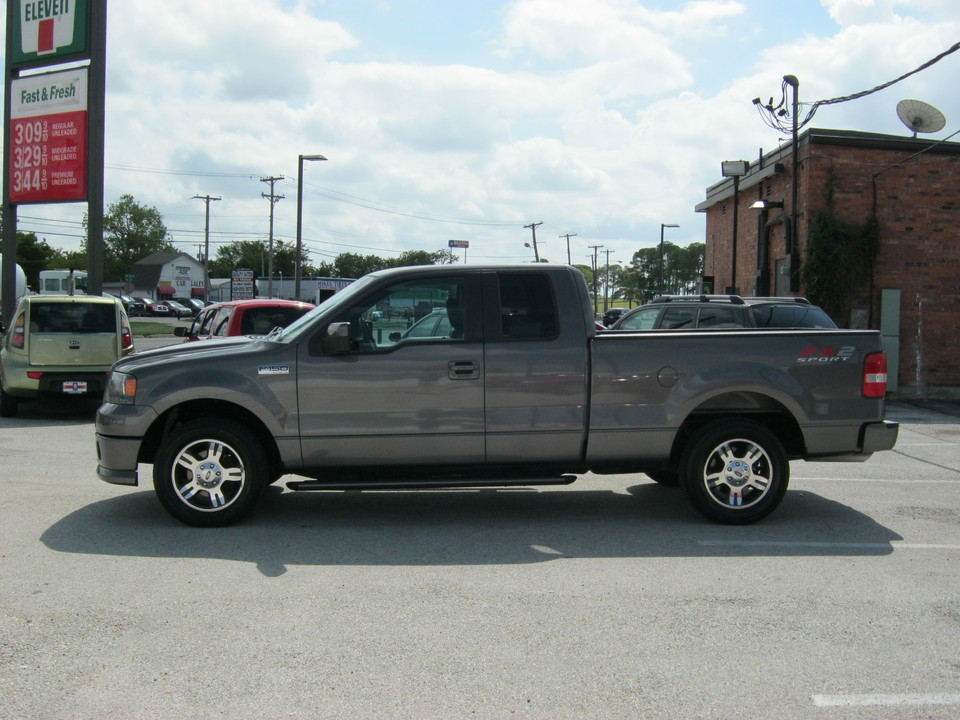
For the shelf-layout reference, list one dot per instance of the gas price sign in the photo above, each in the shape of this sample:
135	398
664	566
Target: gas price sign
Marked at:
48	137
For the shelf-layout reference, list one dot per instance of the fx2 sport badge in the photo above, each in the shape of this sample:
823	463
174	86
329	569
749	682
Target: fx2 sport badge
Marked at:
827	354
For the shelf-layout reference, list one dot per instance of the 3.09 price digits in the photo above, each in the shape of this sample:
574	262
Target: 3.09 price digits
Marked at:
27	133
29	156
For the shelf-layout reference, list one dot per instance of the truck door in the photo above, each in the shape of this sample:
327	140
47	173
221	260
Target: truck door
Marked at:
535	363
410	391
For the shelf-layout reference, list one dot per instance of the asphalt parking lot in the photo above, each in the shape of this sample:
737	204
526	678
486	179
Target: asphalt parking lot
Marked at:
609	598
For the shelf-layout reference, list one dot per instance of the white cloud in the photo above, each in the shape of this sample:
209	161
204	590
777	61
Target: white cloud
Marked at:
602	119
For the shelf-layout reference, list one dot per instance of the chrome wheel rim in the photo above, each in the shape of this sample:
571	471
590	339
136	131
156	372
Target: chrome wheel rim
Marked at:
208	475
738	474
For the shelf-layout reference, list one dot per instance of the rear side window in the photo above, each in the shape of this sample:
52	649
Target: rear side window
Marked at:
528	310
260	321
792	316
679	317
717	317
73	318
222	321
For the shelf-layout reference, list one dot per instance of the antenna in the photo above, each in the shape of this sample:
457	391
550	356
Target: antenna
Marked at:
920	117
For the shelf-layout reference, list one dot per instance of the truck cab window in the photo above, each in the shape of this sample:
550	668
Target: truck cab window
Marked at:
528	310
421	311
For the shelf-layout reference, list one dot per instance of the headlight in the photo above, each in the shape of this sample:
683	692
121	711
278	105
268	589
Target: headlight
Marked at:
121	389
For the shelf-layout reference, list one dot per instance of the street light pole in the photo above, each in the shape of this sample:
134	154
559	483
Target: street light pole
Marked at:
791	250
296	265
735	169
662	226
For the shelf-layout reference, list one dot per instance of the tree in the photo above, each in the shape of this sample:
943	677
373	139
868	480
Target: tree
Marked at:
423	257
131	232
34	255
682	270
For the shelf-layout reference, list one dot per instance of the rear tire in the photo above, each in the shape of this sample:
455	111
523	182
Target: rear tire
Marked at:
8	405
734	471
210	472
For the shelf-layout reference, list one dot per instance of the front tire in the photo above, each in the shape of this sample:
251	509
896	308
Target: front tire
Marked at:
735	471
210	472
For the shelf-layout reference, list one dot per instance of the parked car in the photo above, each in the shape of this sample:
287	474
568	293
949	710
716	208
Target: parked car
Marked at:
177	309
154	308
243	317
433	325
613	314
61	345
194	304
724	311
134	307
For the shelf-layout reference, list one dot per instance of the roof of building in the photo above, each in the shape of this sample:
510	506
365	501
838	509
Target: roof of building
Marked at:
770	163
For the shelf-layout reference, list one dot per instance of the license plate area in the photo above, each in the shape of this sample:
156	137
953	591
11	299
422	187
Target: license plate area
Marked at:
74	387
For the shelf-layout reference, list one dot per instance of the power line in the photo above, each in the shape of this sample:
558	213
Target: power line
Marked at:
780	118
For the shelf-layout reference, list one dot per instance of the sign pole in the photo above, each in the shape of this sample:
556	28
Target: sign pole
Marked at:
96	94
8	273
54	120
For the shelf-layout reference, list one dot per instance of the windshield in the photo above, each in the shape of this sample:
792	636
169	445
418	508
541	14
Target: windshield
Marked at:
294	330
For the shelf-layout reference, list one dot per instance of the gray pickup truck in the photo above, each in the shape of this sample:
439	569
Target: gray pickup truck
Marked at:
442	376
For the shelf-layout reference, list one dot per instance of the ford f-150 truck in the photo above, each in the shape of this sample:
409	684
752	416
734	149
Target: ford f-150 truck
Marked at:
516	388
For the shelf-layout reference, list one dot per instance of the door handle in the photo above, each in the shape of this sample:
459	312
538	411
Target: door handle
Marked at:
463	370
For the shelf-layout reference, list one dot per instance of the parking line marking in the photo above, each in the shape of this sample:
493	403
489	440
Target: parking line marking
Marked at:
898	481
893	544
886	700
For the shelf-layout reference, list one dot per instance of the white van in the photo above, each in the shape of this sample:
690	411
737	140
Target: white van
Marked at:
63	282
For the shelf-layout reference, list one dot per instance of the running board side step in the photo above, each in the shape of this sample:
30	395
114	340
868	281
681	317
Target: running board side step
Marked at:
427	484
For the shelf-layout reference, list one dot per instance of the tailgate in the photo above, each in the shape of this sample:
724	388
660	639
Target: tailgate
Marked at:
74	349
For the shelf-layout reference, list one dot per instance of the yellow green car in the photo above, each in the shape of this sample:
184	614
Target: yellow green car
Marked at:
61	345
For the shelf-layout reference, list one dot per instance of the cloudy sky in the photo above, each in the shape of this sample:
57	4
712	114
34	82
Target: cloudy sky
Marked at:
468	119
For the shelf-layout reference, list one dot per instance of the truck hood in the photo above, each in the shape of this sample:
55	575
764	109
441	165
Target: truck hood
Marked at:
189	351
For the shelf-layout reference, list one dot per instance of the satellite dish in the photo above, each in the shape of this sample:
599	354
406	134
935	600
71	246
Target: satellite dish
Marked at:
920	117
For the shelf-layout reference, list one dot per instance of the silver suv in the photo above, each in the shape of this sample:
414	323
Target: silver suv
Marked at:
61	345
687	312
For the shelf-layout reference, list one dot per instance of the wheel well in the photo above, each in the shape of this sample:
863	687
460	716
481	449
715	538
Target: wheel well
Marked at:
209	409
746	406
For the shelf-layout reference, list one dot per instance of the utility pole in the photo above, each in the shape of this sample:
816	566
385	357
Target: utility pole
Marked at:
606	282
568	236
595	294
273	201
533	228
206	244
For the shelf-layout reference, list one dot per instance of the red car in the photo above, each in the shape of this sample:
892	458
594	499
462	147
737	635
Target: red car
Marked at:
243	317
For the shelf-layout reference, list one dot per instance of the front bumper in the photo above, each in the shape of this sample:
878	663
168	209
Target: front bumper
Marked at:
117	459
120	431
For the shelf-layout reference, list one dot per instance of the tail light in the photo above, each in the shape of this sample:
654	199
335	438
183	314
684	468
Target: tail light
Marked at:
126	336
18	333
875	375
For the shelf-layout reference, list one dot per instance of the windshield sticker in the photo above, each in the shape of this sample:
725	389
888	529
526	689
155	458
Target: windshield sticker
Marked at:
273	370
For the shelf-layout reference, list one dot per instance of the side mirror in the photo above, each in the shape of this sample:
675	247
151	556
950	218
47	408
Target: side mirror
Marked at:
395	337
180	331
337	340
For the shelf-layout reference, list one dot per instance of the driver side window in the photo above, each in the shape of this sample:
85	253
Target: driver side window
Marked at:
415	311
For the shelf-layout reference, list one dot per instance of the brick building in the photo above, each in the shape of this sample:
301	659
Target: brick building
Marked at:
901	193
